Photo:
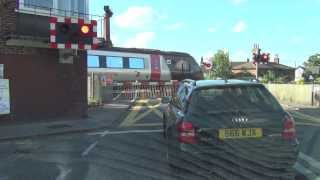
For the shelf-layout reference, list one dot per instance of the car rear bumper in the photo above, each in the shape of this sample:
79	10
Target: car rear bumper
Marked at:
235	166
268	161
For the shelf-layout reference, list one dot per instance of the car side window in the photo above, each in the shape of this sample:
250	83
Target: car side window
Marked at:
180	94
183	94
176	103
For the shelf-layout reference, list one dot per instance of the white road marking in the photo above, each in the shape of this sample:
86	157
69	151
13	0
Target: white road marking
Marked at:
104	133
86	151
136	131
311	161
303	170
116	105
107	132
115	98
308	166
64	171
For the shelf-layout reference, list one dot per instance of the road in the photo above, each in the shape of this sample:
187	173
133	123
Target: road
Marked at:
308	131
132	149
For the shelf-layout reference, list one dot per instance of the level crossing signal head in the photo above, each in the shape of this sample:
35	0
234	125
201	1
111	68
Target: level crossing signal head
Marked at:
73	33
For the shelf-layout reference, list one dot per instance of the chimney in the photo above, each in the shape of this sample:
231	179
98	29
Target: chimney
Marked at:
276	59
106	33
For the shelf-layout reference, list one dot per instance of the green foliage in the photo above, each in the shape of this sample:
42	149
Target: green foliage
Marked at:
301	81
310	64
208	75
313	60
317	80
268	77
280	80
221	64
243	75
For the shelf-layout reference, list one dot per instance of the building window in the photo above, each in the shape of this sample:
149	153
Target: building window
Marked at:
114	62
93	61
136	63
70	8
75	8
39	4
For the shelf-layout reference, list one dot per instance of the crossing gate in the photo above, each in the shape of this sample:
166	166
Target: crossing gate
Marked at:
134	90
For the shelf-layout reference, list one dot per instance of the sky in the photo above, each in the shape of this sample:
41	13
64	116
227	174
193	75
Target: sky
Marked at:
289	28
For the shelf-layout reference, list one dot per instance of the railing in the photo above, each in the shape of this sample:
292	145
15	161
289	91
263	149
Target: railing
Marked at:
135	90
100	92
50	12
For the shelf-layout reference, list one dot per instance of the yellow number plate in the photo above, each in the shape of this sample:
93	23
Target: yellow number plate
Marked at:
237	133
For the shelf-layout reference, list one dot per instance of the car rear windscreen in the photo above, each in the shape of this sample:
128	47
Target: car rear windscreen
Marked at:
254	98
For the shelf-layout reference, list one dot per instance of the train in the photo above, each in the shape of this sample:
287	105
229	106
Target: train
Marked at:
135	64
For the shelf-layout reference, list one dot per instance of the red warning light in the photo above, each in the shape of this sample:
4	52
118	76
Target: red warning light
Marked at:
265	57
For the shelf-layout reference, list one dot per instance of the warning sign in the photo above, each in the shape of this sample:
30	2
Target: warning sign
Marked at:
4	97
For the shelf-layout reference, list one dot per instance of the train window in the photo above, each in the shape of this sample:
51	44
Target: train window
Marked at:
182	66
136	63
114	62
93	61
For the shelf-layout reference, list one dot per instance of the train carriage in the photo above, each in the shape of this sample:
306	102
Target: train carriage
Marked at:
131	64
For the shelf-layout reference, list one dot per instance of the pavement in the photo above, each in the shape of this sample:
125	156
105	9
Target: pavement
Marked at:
98	118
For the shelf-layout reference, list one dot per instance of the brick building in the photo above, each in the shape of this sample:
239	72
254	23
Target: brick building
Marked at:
246	69
41	84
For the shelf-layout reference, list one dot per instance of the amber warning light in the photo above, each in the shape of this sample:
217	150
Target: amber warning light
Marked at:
85	29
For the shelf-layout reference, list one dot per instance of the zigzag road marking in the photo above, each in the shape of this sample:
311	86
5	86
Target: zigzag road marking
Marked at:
134	116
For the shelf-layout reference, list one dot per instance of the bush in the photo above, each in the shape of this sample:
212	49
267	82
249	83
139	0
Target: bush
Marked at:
301	81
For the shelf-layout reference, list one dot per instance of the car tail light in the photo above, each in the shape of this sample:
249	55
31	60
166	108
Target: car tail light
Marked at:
289	128
187	133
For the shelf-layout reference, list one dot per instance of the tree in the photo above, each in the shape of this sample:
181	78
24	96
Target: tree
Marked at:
221	65
311	66
268	77
313	60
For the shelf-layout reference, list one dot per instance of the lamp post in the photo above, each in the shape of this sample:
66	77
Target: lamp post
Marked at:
311	78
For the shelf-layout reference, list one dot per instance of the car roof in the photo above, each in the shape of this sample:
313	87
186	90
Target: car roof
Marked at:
209	83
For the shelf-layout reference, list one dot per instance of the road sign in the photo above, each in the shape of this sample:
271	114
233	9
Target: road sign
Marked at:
311	78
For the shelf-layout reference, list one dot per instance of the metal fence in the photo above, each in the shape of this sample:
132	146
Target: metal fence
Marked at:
134	90
100	92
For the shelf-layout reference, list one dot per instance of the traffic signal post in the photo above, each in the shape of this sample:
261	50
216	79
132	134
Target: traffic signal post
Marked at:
259	58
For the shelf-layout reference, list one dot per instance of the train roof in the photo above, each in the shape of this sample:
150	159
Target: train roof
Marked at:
144	51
